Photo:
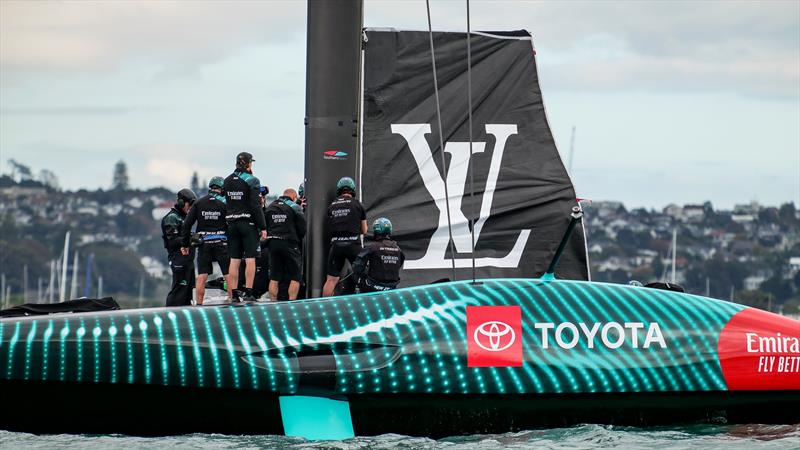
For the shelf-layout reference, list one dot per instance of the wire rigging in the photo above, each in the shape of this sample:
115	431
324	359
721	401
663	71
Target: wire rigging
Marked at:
471	165
441	142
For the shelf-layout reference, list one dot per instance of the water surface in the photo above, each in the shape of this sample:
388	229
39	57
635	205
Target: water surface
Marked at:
578	437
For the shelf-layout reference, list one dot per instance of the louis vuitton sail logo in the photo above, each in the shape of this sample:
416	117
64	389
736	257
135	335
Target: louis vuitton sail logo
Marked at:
456	179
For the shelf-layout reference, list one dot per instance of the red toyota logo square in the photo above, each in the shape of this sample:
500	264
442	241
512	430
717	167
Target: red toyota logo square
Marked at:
494	336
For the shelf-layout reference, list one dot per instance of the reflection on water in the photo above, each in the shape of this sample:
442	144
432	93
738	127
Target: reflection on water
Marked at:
583	436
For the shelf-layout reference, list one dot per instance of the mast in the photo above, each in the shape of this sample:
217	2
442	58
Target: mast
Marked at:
332	110
571	151
674	250
51	286
25	283
73	287
64	262
141	291
87	284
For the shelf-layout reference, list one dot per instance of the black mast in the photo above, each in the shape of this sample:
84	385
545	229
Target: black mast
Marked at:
333	63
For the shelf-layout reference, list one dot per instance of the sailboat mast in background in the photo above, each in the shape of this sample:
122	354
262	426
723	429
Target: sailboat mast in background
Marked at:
674	251
571	151
64	263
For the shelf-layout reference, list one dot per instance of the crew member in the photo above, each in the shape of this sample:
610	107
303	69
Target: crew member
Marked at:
181	263
209	213
303	202
347	222
261	279
245	224
286	226
301	199
377	267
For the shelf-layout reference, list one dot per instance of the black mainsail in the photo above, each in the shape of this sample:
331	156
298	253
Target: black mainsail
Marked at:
522	192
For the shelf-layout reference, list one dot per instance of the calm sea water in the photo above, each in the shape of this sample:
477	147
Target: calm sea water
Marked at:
578	437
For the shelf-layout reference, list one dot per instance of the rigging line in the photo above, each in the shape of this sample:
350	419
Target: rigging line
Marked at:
441	142
471	164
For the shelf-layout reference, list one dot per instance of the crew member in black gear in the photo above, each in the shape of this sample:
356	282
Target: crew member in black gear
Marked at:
347	222
245	224
211	231
303	202
180	262
377	267
286	226
261	279
301	199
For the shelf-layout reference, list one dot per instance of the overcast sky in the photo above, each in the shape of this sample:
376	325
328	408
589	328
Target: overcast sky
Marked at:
673	101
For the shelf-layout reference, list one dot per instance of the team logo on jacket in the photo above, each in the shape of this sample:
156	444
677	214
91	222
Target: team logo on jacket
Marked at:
494	336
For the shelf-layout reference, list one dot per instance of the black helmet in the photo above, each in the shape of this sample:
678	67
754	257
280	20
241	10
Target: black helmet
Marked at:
243	159
186	196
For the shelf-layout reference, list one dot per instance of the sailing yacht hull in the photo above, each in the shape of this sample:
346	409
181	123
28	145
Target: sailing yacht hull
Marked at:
155	410
452	358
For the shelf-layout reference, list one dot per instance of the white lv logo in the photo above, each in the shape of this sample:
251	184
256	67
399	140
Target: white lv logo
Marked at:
434	258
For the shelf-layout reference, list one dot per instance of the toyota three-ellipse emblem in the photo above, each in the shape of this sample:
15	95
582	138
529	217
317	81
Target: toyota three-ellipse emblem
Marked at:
494	336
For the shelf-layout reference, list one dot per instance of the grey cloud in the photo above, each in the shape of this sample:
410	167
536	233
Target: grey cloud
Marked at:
746	47
107	35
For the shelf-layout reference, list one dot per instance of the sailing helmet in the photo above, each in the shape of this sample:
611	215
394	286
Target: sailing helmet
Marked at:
243	159
382	227
345	183
185	196
216	182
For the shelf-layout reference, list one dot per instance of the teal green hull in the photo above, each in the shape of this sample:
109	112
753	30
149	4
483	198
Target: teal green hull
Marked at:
576	340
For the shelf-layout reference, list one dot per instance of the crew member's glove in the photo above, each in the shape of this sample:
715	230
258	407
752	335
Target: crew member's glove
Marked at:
197	240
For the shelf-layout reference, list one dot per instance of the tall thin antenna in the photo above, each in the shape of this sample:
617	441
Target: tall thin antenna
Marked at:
571	151
473	213
441	141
